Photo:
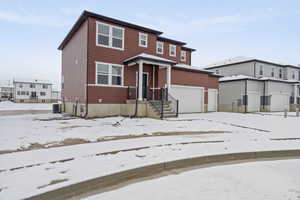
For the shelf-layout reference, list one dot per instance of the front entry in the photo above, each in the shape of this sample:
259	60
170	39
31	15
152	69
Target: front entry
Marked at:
145	84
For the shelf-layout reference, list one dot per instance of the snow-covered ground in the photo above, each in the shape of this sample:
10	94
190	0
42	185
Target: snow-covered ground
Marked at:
31	130
8	105
52	168
267	180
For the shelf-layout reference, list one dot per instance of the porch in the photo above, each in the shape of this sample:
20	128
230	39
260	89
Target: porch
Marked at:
153	87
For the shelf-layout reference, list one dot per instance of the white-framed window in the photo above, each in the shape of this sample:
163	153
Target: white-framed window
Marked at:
159	47
280	73
293	75
183	56
272	73
172	50
261	70
143	40
43	93
45	86
109	36
32	85
20	85
217	71
109	74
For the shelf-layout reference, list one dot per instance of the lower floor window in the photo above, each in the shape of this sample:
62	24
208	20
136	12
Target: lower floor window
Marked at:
43	93
109	74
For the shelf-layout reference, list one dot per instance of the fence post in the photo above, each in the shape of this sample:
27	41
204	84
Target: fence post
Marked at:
297	112
285	113
162	109
177	107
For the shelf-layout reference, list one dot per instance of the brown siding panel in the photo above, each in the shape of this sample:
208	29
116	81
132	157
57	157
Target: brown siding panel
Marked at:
74	73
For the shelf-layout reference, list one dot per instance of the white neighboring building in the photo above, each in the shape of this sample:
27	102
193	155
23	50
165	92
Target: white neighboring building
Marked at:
6	91
252	85
32	91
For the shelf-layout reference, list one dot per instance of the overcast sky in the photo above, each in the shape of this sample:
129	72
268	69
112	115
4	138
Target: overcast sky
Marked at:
31	30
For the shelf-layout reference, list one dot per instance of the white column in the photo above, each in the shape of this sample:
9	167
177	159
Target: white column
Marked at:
168	76
140	85
295	93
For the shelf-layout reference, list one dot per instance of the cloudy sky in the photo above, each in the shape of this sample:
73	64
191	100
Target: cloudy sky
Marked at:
31	30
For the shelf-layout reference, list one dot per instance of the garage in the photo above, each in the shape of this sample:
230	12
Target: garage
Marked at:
253	101
212	105
279	102
191	99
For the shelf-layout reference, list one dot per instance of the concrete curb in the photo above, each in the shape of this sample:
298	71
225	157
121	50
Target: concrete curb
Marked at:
116	180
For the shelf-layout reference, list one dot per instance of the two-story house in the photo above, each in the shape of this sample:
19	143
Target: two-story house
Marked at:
252	85
32	91
111	67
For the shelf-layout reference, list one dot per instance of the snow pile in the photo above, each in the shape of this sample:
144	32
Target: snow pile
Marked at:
230	61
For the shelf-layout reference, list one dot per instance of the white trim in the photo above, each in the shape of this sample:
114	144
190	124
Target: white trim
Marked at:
102	85
187	86
162	48
110	36
170	47
181	55
109	74
140	44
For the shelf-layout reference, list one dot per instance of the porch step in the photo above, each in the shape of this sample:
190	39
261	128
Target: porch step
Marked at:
167	108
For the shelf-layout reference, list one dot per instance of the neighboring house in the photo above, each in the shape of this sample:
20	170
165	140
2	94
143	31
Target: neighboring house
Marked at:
108	63
32	91
56	96
252	85
6	91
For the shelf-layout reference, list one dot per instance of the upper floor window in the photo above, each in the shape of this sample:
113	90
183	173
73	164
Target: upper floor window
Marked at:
217	71
183	56
280	73
109	74
293	75
160	47
261	70
299	75
45	86
272	73
20	85
172	50
32	85
43	93
110	36
143	39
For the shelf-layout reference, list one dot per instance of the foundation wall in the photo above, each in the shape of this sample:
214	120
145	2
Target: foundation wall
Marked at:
109	110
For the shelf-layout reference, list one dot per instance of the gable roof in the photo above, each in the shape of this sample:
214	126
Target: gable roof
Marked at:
241	60
85	14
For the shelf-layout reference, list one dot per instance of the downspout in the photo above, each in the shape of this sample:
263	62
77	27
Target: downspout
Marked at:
254	68
246	97
87	67
264	97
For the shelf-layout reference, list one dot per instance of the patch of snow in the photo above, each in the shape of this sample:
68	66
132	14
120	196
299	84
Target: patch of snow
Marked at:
236	77
144	55
230	61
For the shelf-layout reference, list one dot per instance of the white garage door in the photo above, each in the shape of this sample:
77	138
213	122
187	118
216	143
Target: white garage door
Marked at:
253	101
191	99
279	102
212	100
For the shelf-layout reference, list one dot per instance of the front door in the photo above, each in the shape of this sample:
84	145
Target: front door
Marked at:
145	85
